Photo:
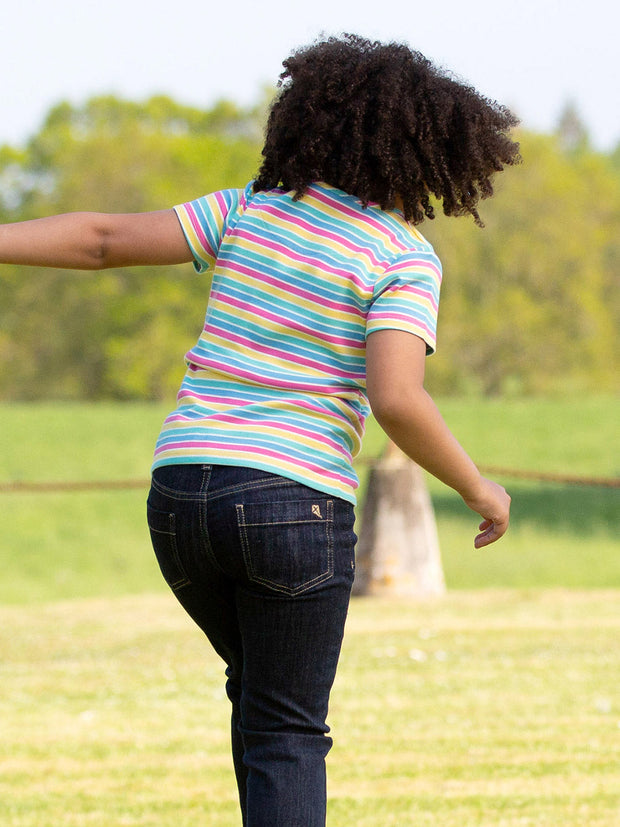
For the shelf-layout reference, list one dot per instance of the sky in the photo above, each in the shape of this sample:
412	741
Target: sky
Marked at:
534	56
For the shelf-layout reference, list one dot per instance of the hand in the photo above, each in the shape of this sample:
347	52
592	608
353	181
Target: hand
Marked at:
493	504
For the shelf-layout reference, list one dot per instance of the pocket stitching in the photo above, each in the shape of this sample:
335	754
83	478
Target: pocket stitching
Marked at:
266	482
183	580
279	587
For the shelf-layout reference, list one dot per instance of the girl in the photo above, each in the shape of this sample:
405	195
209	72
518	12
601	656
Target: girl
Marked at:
323	306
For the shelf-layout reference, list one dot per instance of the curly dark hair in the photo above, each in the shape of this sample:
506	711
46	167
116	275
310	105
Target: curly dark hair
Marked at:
381	122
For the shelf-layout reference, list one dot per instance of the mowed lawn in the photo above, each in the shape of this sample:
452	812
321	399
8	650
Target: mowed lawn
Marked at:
497	705
491	708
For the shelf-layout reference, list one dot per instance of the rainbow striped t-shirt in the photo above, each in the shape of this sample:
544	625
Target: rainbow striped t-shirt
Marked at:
277	379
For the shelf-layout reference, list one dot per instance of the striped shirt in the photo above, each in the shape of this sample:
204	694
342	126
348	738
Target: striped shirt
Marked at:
277	379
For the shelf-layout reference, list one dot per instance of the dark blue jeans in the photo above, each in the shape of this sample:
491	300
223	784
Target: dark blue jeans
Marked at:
264	566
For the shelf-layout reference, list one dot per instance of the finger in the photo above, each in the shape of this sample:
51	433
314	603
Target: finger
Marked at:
486	537
492	532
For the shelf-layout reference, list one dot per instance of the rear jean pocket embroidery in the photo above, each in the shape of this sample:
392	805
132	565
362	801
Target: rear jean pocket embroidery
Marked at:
287	546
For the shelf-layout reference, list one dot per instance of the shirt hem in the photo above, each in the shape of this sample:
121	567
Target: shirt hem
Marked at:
260	466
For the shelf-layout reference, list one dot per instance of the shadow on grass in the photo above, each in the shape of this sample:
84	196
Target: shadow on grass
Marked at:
566	508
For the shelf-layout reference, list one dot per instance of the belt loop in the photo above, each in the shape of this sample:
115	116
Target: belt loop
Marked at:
206	478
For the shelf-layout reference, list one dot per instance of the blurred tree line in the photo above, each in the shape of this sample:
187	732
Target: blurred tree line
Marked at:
530	304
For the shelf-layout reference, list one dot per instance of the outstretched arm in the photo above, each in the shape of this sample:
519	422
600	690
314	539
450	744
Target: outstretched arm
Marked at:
95	241
395	376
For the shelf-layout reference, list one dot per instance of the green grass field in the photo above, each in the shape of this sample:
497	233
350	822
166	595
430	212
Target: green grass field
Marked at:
495	706
66	545
484	709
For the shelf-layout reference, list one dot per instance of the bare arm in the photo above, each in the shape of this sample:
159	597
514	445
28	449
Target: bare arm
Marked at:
95	241
395	384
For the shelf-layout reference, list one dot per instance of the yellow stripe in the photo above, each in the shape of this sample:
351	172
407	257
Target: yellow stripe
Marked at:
347	425
248	457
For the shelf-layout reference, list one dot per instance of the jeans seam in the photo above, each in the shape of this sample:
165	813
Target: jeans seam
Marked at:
173	494
330	536
203	519
248	486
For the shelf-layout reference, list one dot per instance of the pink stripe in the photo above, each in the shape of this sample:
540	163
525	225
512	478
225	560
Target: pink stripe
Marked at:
256	378
360	418
409	321
221	202
233	402
322	232
247	426
287	253
418	291
336	203
422	264
198	230
205	447
366	216
244	425
291	325
251	345
306	295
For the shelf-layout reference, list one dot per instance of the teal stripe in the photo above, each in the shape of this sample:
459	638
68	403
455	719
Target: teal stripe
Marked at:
254	380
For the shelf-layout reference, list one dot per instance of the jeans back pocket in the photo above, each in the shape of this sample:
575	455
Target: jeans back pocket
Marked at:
287	545
162	525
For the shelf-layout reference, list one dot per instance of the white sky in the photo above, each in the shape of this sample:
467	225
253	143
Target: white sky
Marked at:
533	56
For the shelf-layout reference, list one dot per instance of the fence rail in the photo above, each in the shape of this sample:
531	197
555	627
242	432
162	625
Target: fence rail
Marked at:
542	476
59	487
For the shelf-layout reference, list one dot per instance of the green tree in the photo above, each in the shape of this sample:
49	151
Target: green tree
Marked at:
530	303
117	333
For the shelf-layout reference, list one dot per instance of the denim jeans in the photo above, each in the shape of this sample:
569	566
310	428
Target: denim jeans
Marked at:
264	566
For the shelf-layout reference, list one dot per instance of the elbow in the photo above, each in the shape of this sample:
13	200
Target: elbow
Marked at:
95	246
392	408
392	418
387	409
98	250
98	258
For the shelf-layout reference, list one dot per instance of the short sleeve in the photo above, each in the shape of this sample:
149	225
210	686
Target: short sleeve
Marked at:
205	221
406	297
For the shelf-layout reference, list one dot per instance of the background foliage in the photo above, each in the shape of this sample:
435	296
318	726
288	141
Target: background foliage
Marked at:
530	304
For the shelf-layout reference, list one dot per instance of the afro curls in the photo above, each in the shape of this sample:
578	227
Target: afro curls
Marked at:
381	122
